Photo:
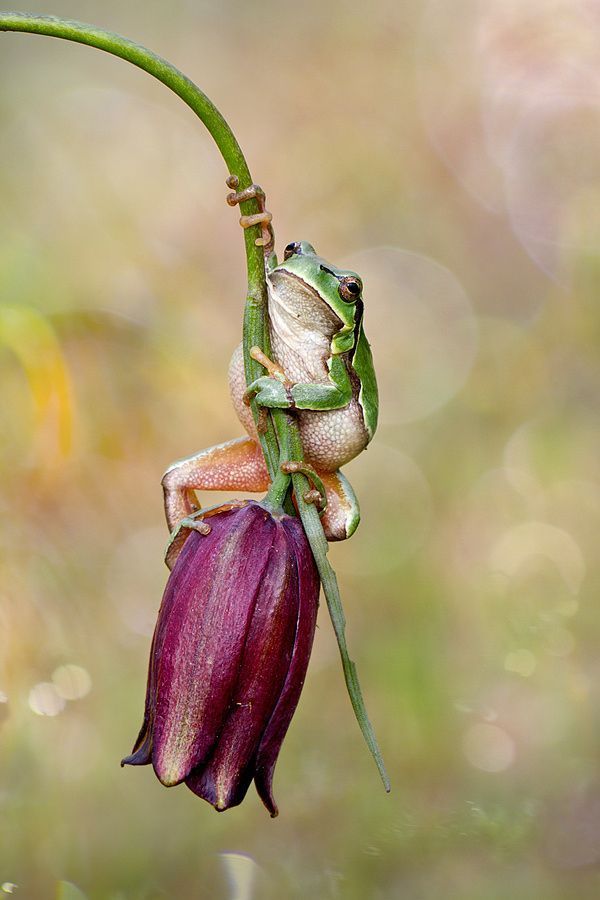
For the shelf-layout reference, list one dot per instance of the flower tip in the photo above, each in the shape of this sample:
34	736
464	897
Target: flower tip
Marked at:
264	786
170	778
224	799
139	757
169	772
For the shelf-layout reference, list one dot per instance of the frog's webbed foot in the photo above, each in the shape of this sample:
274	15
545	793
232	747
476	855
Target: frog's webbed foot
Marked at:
333	496
272	390
195	522
262	218
269	392
181	532
317	493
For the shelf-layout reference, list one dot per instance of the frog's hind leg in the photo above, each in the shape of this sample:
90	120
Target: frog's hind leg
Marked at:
342	515
237	465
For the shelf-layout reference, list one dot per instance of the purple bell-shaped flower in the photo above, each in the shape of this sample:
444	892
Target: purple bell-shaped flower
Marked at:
229	655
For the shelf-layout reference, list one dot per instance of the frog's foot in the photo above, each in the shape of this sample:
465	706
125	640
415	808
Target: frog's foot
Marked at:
270	392
181	532
195	522
237	465
317	493
262	218
273	368
342	515
333	496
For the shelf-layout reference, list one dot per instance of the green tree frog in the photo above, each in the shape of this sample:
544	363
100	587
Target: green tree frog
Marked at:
322	367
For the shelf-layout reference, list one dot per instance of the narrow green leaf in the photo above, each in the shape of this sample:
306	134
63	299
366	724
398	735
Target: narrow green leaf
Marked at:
314	532
289	438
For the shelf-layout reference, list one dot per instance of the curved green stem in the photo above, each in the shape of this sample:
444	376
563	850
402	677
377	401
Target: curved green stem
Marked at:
219	130
277	492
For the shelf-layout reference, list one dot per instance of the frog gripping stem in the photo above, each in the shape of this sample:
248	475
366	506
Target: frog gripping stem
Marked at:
262	218
279	440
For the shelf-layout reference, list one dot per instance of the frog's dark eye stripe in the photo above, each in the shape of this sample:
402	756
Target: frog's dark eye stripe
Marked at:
350	288
291	249
329	272
358	317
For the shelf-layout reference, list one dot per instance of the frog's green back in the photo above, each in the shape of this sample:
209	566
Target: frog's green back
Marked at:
362	363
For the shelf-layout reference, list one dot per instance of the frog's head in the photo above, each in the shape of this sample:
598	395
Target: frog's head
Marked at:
331	297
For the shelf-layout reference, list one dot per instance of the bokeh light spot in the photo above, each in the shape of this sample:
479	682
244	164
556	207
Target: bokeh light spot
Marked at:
519	544
72	682
488	747
518	122
44	699
553	179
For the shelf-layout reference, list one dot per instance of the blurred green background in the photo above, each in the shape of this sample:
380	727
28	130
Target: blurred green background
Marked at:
450	152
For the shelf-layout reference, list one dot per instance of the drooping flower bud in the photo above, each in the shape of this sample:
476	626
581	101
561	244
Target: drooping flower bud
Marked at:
229	655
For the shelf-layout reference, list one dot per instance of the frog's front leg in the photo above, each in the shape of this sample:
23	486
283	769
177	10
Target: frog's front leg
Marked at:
276	392
236	465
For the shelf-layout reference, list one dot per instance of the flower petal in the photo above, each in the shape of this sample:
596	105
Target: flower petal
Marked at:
141	754
308	585
208	607
223	780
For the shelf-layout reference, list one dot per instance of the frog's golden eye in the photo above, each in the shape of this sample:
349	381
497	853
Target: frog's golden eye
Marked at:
291	249
350	288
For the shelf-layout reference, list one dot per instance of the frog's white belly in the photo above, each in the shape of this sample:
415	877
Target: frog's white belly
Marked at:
330	438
